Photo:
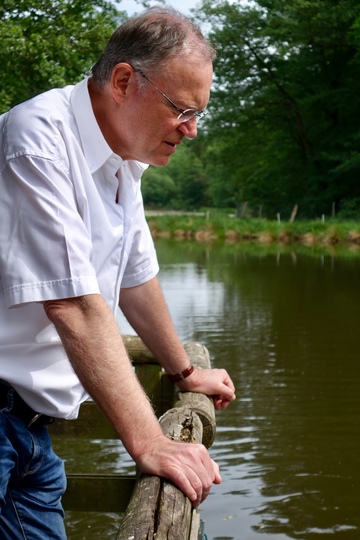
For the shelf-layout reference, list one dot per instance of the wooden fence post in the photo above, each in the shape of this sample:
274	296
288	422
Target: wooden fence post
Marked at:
293	214
158	510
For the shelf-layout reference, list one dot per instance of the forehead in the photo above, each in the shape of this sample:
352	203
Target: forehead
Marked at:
187	80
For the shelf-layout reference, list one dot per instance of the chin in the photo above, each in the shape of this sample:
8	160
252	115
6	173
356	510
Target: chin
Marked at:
160	162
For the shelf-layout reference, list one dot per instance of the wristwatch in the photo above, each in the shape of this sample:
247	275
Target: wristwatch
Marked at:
176	377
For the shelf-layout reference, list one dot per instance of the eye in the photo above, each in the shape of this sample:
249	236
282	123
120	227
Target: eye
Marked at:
188	114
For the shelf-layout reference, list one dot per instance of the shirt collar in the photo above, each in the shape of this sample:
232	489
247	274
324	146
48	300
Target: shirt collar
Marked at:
96	149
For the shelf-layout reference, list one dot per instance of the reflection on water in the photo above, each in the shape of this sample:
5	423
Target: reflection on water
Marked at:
287	329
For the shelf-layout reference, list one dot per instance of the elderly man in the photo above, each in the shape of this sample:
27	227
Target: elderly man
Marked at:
74	245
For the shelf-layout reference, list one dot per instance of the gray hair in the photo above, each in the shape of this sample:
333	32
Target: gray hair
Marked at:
148	40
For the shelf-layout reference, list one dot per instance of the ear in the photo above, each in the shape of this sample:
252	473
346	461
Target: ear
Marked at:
121	81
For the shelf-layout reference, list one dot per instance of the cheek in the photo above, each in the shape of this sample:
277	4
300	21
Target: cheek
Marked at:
146	130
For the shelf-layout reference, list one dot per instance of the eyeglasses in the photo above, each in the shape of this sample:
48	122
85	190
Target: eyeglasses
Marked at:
184	116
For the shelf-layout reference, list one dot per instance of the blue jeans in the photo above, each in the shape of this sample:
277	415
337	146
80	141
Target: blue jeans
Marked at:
32	481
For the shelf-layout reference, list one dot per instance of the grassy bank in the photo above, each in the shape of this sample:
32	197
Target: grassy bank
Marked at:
219	226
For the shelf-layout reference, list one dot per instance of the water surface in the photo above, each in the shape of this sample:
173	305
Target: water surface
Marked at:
285	324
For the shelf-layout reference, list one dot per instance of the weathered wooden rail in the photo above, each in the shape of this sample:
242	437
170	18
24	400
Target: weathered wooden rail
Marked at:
154	508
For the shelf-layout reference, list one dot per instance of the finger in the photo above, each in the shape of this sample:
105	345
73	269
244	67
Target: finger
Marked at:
226	388
184	483
217	476
220	402
206	474
192	476
199	489
228	382
192	470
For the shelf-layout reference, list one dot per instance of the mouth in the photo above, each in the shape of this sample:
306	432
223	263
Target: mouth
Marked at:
172	144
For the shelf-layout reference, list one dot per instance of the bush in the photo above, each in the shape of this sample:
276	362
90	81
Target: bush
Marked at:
350	209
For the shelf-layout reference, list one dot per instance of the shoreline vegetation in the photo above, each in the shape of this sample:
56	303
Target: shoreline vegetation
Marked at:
216	225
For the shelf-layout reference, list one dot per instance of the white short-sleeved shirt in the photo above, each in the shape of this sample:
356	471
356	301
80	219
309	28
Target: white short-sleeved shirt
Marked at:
71	223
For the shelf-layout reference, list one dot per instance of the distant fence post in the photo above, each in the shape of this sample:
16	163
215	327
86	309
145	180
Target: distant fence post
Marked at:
293	214
244	209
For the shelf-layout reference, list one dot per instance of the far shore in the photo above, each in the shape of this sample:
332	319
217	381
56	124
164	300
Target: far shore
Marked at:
212	226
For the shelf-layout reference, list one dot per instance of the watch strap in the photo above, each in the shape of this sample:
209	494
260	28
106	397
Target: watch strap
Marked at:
176	377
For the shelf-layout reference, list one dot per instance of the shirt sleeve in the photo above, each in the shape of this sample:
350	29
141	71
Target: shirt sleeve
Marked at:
46	249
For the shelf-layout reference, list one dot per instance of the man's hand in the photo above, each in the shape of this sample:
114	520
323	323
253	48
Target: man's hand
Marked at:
187	465
213	382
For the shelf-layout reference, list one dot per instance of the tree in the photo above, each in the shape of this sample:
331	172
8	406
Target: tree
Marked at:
286	87
183	181
49	43
158	189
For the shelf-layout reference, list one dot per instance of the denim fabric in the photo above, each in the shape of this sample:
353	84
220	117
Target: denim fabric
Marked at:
32	481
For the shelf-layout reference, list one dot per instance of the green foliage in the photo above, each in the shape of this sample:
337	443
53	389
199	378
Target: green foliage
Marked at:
183	178
186	168
49	43
350	209
158	189
285	101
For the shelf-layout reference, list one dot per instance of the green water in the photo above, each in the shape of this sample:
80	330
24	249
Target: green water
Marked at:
285	324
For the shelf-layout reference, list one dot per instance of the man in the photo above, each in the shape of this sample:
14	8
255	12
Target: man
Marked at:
74	241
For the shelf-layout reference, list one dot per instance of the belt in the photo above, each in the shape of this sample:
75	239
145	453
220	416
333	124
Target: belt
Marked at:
10	399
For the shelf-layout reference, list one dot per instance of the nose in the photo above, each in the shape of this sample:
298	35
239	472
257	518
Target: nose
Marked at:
189	128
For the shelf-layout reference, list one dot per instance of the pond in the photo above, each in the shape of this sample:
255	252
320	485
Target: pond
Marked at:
285	324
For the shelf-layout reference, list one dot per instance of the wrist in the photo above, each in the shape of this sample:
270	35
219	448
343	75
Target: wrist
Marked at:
178	377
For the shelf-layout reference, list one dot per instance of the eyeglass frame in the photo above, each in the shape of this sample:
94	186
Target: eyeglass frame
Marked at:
196	114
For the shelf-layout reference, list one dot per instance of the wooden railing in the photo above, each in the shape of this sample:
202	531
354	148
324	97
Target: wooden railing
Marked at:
154	508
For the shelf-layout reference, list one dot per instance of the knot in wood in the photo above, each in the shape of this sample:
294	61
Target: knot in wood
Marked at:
186	434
